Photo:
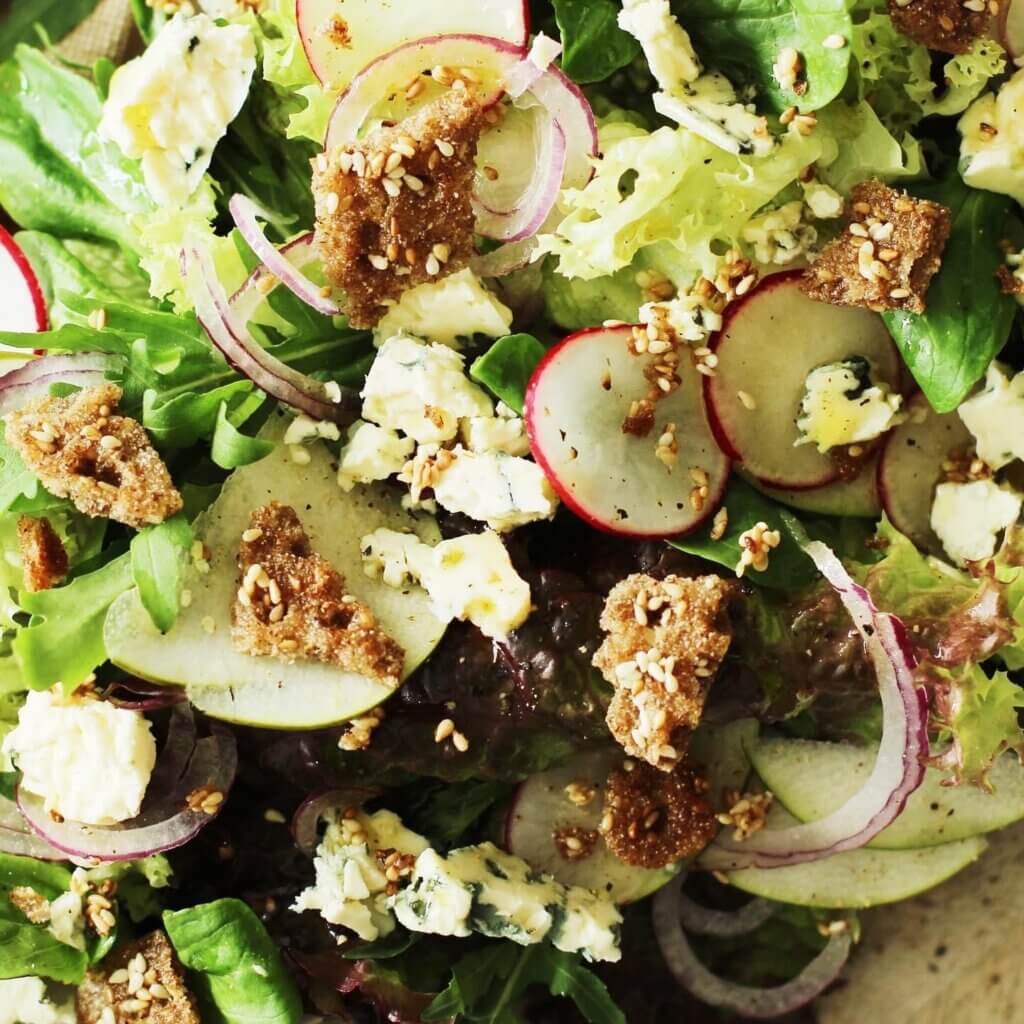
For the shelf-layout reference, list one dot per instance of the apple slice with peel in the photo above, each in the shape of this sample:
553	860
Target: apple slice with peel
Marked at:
1011	28
576	403
541	808
911	466
771	340
22	306
857	497
341	37
197	652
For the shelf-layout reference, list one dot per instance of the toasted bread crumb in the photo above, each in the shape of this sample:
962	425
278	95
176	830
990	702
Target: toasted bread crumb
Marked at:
653	819
44	560
291	603
665	642
35	907
104	463
945	25
149	965
395	210
887	255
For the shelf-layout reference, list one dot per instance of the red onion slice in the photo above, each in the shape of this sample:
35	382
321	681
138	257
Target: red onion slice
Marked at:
164	823
530	212
140	696
899	765
505	260
525	74
306	820
16	838
756	1003
298	252
231	337
724	923
245	214
36	377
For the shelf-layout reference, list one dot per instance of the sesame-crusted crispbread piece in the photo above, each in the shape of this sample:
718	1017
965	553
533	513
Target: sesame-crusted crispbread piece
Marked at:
150	965
666	639
1011	283
887	255
291	603
43	558
946	25
79	449
652	819
394	210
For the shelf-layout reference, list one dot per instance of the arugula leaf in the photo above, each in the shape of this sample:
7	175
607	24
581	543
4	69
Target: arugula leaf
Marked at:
57	269
31	949
445	813
64	639
593	45
968	320
743	38
57	18
158	557
236	969
489	984
507	366
232	448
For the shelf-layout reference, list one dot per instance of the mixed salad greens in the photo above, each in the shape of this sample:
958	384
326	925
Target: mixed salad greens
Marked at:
509	512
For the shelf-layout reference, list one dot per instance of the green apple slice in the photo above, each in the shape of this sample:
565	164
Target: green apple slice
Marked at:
197	652
813	779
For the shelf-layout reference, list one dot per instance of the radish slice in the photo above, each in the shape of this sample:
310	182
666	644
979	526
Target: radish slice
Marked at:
230	336
341	37
771	340
276	262
576	402
165	821
857	497
748	1002
911	467
898	768
37	376
489	58
531	210
1011	28
24	308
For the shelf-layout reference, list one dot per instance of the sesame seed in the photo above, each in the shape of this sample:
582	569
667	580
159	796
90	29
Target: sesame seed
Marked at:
118	977
273	816
333	199
392	187
446	149
413	182
460	742
442	251
394	162
252	535
433	267
378	262
209	626
834	42
747	400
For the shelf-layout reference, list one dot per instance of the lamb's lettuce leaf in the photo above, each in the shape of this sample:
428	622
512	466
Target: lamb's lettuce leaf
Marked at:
506	367
158	557
593	45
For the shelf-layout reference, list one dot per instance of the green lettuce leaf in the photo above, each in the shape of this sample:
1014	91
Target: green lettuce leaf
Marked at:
593	45
231	448
158	558
506	367
56	18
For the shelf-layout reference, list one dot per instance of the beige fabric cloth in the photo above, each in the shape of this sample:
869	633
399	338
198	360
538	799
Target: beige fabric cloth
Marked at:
108	32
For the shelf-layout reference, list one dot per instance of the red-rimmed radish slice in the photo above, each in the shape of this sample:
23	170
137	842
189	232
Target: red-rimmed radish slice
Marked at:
23	307
857	497
576	403
491	60
276	262
771	340
910	468
341	37
530	209
1011	28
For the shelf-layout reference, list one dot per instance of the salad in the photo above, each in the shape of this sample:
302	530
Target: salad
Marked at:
509	512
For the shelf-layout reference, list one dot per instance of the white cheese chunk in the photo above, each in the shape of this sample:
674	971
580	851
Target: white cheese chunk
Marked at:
393	557
968	517
170	107
824	202
780	236
992	140
843	404
372	453
25	1001
446	311
666	44
995	416
89	760
500	490
421	390
505	432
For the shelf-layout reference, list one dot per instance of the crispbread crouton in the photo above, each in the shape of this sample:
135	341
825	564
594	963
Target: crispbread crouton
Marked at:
395	210
104	463
664	644
945	25
35	907
43	558
149	965
652	819
1011	283
291	603
887	255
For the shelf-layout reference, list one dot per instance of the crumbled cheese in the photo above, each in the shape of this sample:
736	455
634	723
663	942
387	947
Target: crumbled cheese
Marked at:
995	416
500	490
304	430
690	314
89	760
421	390
968	517
504	432
992	140
25	1001
67	917
351	882
823	201
469	578
170	107
781	236
372	453
843	404
665	42
446	311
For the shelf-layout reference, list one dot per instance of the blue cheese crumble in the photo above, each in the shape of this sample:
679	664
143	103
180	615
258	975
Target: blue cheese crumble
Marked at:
995	416
992	140
968	517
